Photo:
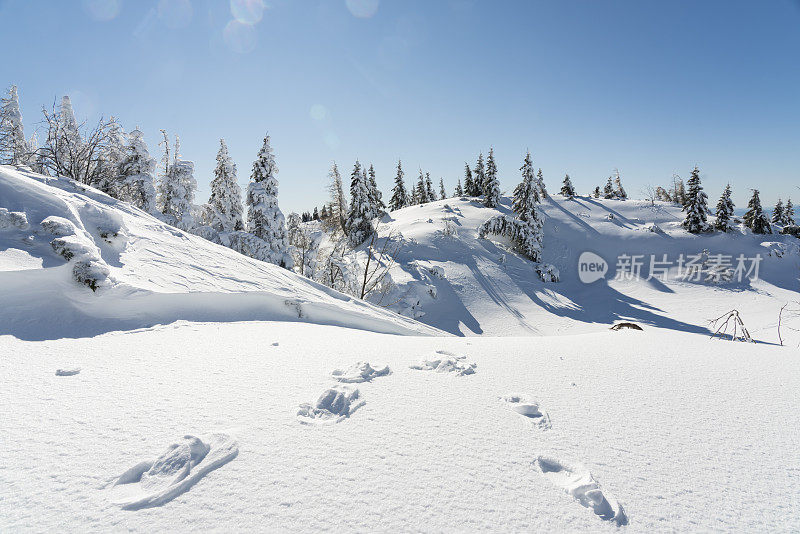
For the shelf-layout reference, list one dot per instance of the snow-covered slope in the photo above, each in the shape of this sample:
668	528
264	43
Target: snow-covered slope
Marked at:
452	280
681	433
147	272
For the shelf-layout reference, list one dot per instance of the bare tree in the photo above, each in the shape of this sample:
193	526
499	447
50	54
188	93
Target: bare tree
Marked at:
380	259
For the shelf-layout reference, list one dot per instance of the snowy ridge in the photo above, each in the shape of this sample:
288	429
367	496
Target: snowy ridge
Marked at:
144	271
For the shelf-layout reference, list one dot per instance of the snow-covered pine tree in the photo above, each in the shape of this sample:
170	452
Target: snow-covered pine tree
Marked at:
399	194
520	199
491	186
608	190
777	213
359	219
567	188
323	213
136	181
442	192
724	211
112	153
479	176
337	208
619	191
754	218
470	188
265	219
540	184
788	213
176	187
375	194
421	192
459	191
596	192
224	210
315	214
71	141
429	191
14	149
696	206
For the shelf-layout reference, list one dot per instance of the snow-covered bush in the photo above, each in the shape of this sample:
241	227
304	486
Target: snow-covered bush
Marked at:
90	272
13	219
548	272
525	238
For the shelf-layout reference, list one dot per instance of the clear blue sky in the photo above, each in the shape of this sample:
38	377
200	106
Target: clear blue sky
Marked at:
650	87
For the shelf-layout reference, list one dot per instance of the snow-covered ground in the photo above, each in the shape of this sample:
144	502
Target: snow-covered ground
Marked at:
685	434
197	389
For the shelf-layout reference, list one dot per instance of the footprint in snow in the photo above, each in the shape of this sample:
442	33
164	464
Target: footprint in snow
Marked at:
360	372
446	362
529	409
334	405
182	465
578	482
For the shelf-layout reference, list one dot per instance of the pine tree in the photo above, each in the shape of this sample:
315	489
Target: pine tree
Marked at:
567	189
788	213
315	214
470	189
112	154
619	191
540	184
265	219
596	192
479	176
608	190
14	149
399	194
176	188
137	184
724	211
337	208
323	214
421	193
491	187
459	191
429	191
754	218
696	206
376	197
224	208
521	198
359	219
777	213
442	192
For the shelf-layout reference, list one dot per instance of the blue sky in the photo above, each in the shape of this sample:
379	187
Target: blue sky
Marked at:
649	87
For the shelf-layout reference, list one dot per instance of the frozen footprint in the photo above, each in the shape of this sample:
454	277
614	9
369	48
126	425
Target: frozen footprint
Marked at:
446	362
334	405
577	481
529	409
182	465
360	372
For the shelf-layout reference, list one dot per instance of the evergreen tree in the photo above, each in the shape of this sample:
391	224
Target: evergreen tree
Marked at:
470	189
777	213
442	192
521	198
619	191
540	184
596	192
421	193
376	197
265	219
399	194
176	188
724	211
14	149
788	213
429	192
479	176
608	190
754	218
362	211
696	206
323	214
459	191
224	208
315	214
567	189
491	186
107	177
136	181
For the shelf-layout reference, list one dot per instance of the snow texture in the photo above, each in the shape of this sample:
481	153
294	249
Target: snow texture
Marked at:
360	372
446	362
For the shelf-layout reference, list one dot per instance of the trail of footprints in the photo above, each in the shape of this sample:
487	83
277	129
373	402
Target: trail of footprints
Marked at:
157	481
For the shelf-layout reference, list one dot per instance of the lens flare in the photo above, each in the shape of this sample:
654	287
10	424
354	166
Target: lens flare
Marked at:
362	9
318	112
248	11
175	13
239	37
102	10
